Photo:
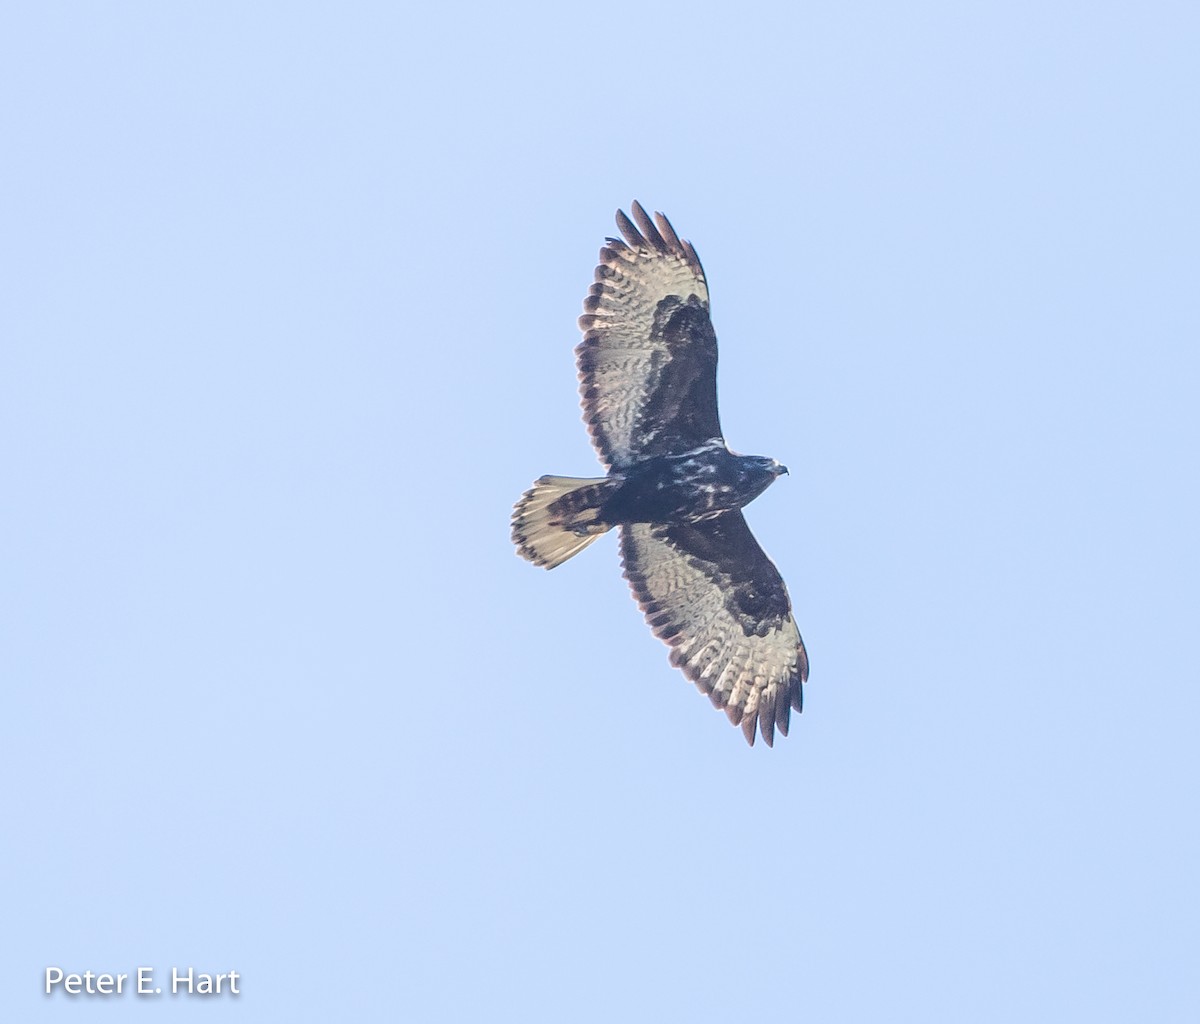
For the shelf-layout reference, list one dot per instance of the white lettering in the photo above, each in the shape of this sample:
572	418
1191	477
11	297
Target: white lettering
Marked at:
145	976
106	984
88	982
196	983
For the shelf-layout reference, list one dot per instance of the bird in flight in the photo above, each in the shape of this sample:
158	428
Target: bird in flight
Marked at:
648	377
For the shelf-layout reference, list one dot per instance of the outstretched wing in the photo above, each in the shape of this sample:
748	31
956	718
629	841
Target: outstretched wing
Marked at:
712	594
648	359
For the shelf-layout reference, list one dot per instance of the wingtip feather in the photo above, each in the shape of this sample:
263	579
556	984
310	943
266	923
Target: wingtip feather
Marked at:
749	724
648	230
627	228
668	232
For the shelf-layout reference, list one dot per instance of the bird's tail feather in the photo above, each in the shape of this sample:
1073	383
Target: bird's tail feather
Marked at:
559	516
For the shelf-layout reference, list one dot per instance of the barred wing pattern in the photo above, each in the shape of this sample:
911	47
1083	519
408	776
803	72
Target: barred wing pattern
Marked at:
648	359
711	593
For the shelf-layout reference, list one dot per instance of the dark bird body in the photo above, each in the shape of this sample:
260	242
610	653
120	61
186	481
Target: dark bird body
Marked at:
689	487
647	367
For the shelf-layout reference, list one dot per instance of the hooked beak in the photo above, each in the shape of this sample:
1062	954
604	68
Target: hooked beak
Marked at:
780	468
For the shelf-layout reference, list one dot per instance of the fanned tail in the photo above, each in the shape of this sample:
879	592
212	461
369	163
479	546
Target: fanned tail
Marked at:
559	516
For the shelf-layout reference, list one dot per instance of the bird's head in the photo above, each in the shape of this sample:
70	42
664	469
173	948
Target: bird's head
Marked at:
758	472
769	466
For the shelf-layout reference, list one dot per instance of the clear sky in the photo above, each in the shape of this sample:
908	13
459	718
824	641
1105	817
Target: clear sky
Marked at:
287	311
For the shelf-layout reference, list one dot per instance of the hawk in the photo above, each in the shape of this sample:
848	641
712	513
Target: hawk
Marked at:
648	377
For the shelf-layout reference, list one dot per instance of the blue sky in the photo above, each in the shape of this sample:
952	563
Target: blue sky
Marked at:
288	314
